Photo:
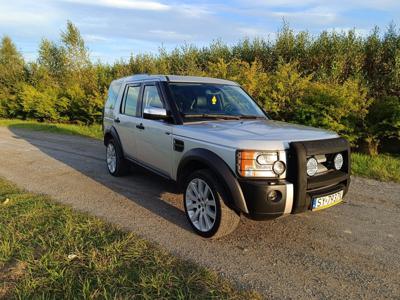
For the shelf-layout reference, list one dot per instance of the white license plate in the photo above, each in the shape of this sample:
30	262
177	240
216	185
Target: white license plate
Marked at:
326	201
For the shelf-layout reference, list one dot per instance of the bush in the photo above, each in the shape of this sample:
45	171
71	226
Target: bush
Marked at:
339	108
383	121
40	105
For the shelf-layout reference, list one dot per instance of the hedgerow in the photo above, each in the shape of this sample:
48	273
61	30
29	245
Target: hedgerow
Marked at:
337	80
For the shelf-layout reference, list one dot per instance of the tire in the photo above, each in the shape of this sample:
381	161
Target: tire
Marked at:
116	164
200	207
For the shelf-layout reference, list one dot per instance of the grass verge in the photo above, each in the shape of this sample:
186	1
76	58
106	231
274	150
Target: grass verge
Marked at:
382	167
50	251
93	131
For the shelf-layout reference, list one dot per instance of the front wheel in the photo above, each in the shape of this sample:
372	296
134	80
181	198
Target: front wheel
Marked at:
205	208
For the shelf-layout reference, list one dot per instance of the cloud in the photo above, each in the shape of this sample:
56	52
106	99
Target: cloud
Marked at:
338	4
358	31
170	35
283	3
17	18
190	11
316	15
254	32
125	4
94	38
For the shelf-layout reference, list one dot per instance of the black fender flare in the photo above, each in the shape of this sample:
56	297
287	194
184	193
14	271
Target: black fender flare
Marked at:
114	134
221	170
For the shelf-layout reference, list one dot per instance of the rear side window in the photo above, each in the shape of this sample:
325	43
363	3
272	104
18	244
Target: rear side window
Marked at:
112	94
131	100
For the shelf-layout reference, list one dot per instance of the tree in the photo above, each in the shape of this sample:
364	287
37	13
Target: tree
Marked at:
383	121
11	77
286	89
77	56
53	59
81	88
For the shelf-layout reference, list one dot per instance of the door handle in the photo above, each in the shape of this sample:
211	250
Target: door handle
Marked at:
117	120
140	126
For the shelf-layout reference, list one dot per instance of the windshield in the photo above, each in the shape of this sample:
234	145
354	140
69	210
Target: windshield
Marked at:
198	100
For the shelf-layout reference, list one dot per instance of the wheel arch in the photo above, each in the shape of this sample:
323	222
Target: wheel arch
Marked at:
199	158
111	133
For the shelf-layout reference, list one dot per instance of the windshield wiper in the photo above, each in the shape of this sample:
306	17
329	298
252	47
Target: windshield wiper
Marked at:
250	117
221	116
216	116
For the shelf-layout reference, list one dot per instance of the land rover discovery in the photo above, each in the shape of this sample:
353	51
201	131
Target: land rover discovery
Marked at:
228	156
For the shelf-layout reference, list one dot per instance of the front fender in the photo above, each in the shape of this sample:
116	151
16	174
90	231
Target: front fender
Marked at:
221	170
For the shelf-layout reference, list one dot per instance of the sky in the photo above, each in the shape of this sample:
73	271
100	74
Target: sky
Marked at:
114	29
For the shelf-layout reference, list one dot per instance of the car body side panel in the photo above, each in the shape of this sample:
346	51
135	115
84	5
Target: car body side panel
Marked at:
109	113
154	145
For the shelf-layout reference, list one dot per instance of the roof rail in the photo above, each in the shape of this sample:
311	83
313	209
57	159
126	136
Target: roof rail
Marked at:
176	78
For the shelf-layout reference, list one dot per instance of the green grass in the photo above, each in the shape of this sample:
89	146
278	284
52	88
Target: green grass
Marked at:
93	131
381	167
38	237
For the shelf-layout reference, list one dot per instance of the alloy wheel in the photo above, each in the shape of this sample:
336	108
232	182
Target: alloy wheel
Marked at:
111	158
201	205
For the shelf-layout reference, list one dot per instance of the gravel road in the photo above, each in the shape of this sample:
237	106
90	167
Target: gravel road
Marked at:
350	251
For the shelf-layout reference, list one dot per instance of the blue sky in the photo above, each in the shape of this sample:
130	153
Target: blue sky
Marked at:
114	29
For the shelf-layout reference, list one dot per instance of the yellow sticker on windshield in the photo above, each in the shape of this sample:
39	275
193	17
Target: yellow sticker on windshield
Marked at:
214	100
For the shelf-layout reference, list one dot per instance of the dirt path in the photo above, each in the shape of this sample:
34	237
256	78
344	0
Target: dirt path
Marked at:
349	251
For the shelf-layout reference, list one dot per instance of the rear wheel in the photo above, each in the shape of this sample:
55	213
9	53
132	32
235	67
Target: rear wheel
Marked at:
205	208
116	164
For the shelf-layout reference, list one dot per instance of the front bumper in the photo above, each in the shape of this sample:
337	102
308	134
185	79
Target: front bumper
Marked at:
298	189
256	196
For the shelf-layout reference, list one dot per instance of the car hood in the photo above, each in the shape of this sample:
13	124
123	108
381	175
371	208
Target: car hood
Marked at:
251	134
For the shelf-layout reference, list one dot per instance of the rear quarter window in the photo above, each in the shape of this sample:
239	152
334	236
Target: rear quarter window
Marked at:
113	91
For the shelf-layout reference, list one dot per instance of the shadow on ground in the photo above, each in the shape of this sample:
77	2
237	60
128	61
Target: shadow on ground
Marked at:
155	193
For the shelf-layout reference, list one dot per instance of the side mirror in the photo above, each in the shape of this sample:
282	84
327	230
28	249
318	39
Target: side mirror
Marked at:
155	113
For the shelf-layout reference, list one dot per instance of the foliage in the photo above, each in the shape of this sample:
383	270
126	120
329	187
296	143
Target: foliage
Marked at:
337	107
41	105
11	75
336	80
383	121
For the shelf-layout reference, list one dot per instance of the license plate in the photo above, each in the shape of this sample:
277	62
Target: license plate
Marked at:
326	201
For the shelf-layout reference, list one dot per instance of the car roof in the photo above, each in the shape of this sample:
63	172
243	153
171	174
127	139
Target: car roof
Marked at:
175	78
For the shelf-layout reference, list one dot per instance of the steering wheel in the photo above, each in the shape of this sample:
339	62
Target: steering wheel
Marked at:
230	108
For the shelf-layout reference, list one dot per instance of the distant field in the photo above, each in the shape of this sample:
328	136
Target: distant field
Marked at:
382	167
50	251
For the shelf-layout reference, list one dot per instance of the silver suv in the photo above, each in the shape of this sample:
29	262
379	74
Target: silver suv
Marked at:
225	153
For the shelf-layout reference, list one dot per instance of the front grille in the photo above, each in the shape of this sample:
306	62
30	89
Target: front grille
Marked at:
326	177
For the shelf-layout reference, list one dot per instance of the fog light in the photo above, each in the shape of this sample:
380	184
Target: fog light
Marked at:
279	167
274	196
338	161
312	166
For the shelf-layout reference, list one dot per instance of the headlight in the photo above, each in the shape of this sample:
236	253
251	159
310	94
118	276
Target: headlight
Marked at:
338	161
312	166
259	164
